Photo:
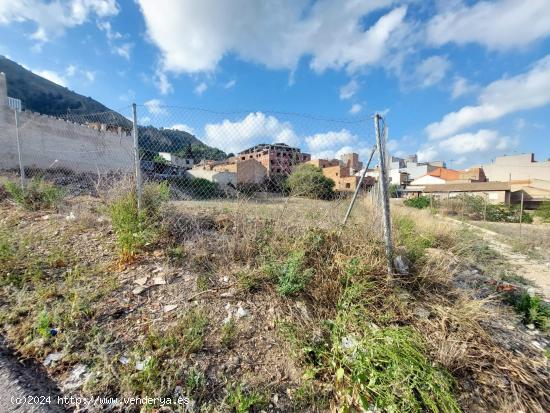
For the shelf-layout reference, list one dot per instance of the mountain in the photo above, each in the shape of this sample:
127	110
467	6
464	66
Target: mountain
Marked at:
43	96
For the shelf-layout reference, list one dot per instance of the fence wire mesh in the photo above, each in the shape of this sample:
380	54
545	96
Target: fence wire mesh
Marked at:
257	160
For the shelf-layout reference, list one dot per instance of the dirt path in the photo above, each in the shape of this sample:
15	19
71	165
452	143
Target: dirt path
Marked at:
534	270
24	388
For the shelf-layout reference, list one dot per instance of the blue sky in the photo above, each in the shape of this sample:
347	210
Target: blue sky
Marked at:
461	81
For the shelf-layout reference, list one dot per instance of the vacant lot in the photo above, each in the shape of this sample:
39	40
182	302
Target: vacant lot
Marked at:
249	306
530	239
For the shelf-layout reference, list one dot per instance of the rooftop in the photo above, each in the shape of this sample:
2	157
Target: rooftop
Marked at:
468	187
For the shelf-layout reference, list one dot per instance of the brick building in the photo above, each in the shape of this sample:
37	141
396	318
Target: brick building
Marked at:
342	171
249	171
277	158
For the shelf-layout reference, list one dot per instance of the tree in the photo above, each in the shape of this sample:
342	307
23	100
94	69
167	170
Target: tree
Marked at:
307	180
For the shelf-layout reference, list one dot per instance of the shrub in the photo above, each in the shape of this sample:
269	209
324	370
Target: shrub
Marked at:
204	189
291	276
308	181
506	213
543	211
421	202
37	194
394	191
532	309
134	228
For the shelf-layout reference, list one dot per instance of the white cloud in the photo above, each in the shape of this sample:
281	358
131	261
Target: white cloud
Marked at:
183	127
327	140
461	87
235	136
90	75
194	36
355	108
525	91
483	142
201	88
122	49
155	107
500	24
52	18
230	84
71	70
431	70
349	89
162	83
52	76
337	153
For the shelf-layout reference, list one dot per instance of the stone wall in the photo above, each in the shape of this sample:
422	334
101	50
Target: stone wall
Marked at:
50	142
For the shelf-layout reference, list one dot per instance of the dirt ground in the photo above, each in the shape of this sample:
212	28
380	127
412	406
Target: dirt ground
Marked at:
528	252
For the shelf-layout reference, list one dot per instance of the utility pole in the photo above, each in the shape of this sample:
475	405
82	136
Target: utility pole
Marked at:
383	176
136	156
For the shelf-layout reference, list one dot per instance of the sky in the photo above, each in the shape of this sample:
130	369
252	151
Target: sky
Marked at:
456	80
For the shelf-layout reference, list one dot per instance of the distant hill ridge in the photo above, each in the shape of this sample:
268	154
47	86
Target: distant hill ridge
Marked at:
41	95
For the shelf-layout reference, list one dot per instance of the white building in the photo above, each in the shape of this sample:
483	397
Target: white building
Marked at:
176	160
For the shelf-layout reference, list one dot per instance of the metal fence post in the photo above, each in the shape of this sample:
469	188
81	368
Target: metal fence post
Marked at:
136	156
21	167
386	218
358	188
521	213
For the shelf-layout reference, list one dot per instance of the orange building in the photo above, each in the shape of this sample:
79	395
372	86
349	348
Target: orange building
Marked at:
277	158
342	173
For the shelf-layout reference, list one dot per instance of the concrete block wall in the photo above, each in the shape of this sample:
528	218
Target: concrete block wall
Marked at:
49	142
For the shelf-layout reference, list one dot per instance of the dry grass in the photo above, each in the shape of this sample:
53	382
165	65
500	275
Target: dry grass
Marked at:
232	245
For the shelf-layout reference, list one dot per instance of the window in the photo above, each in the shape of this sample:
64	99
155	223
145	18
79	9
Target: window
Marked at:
243	158
278	154
278	170
348	185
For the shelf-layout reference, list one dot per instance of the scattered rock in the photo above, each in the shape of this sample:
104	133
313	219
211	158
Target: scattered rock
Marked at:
401	264
227	294
140	365
349	343
123	360
170	307
139	289
77	378
241	312
159	281
71	216
530	326
141	281
422	312
52	357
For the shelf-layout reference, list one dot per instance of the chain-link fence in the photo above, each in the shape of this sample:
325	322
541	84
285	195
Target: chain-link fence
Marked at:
262	161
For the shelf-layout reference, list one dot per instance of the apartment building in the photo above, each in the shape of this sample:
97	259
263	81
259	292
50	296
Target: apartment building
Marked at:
277	158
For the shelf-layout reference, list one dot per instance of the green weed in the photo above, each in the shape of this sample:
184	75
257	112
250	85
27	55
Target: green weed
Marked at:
532	309
35	195
229	333
242	401
133	227
43	324
291	275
